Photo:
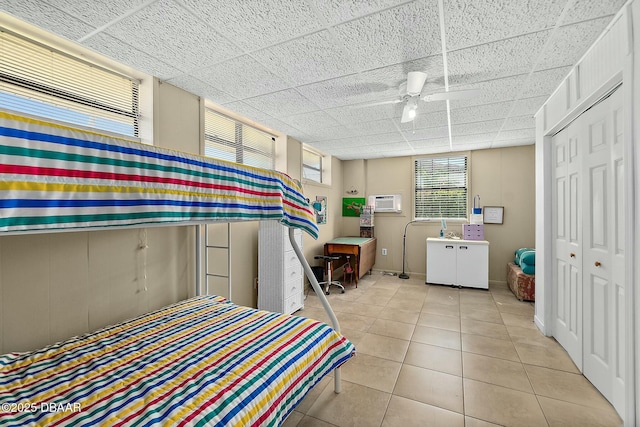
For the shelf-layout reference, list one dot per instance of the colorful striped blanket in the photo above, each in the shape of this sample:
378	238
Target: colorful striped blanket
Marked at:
203	361
57	177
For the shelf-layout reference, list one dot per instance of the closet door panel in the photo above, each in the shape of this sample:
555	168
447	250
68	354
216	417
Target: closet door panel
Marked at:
618	258
604	193
567	232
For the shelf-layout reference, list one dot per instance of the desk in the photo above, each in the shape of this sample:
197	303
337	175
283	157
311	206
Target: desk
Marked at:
362	248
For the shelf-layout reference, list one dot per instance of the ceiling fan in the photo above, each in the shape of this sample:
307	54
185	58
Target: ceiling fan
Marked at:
411	93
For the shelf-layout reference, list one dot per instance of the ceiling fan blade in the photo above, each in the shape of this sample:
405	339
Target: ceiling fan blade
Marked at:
373	104
415	81
407	116
452	95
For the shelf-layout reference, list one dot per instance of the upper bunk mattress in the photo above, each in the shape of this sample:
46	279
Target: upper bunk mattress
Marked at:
203	361
55	177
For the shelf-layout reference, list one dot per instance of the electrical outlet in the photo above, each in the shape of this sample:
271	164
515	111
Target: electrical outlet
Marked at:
384	251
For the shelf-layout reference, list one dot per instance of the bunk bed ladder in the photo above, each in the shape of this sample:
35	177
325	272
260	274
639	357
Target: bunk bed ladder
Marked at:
218	250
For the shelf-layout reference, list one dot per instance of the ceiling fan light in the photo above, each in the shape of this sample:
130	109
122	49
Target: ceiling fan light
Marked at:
412	113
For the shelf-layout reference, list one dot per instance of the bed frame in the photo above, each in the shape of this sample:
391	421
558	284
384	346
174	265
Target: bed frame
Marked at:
55	178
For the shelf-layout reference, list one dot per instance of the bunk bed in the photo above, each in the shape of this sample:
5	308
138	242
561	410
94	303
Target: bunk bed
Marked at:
201	361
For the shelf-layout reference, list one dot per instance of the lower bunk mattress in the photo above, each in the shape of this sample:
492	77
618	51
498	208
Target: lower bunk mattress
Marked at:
202	361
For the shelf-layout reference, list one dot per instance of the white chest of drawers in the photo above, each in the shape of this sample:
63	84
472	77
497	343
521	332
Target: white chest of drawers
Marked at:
280	275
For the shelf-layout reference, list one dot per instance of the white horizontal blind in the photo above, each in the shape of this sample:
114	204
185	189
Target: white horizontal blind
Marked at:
441	187
38	80
311	165
230	140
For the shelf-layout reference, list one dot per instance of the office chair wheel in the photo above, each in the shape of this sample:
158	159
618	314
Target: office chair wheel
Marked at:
327	293
342	292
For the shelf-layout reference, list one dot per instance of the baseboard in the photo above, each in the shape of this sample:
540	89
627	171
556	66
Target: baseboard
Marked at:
540	325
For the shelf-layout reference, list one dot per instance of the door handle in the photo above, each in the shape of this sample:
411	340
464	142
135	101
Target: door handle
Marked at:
448	247
463	247
572	255
597	264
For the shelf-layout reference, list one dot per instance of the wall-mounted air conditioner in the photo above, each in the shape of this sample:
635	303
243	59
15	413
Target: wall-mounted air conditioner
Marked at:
386	203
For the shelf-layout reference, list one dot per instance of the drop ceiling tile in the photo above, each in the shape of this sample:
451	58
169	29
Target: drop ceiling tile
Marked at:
182	39
544	82
426	134
570	42
246	110
425	121
206	91
118	50
470	22
257	23
334	132
520	122
501	89
307	122
337	92
476	127
527	106
483	138
306	59
47	17
400	34
429	144
374	127
348	115
378	139
516	134
282	103
494	60
471	146
481	113
241	77
96	13
336	11
397	152
587	9
333	144
285	128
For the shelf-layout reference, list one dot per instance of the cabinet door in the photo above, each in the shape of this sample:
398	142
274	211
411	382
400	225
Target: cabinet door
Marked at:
441	263
473	265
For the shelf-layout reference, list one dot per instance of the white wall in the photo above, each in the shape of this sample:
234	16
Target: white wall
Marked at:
502	176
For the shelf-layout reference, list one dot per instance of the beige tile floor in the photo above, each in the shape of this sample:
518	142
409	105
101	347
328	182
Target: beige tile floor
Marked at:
431	355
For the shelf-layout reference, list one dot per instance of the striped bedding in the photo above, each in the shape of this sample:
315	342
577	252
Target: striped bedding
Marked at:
203	361
57	177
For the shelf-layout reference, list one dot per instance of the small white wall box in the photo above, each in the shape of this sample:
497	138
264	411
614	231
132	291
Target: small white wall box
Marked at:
386	203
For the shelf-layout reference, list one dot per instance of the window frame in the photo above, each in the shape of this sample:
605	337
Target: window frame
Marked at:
48	97
320	170
238	146
450	156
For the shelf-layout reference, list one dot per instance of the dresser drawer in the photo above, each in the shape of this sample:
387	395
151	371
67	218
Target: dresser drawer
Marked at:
291	259
293	303
292	286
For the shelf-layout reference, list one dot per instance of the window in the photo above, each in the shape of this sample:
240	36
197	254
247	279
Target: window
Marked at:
228	139
311	165
441	187
38	80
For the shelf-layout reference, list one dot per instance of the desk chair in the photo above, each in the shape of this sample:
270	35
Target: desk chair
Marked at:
329	282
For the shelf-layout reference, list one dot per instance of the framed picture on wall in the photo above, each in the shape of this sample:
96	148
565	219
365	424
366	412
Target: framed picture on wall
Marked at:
320	208
352	206
493	214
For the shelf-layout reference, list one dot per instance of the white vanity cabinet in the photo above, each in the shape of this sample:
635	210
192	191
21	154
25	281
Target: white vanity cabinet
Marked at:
458	262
